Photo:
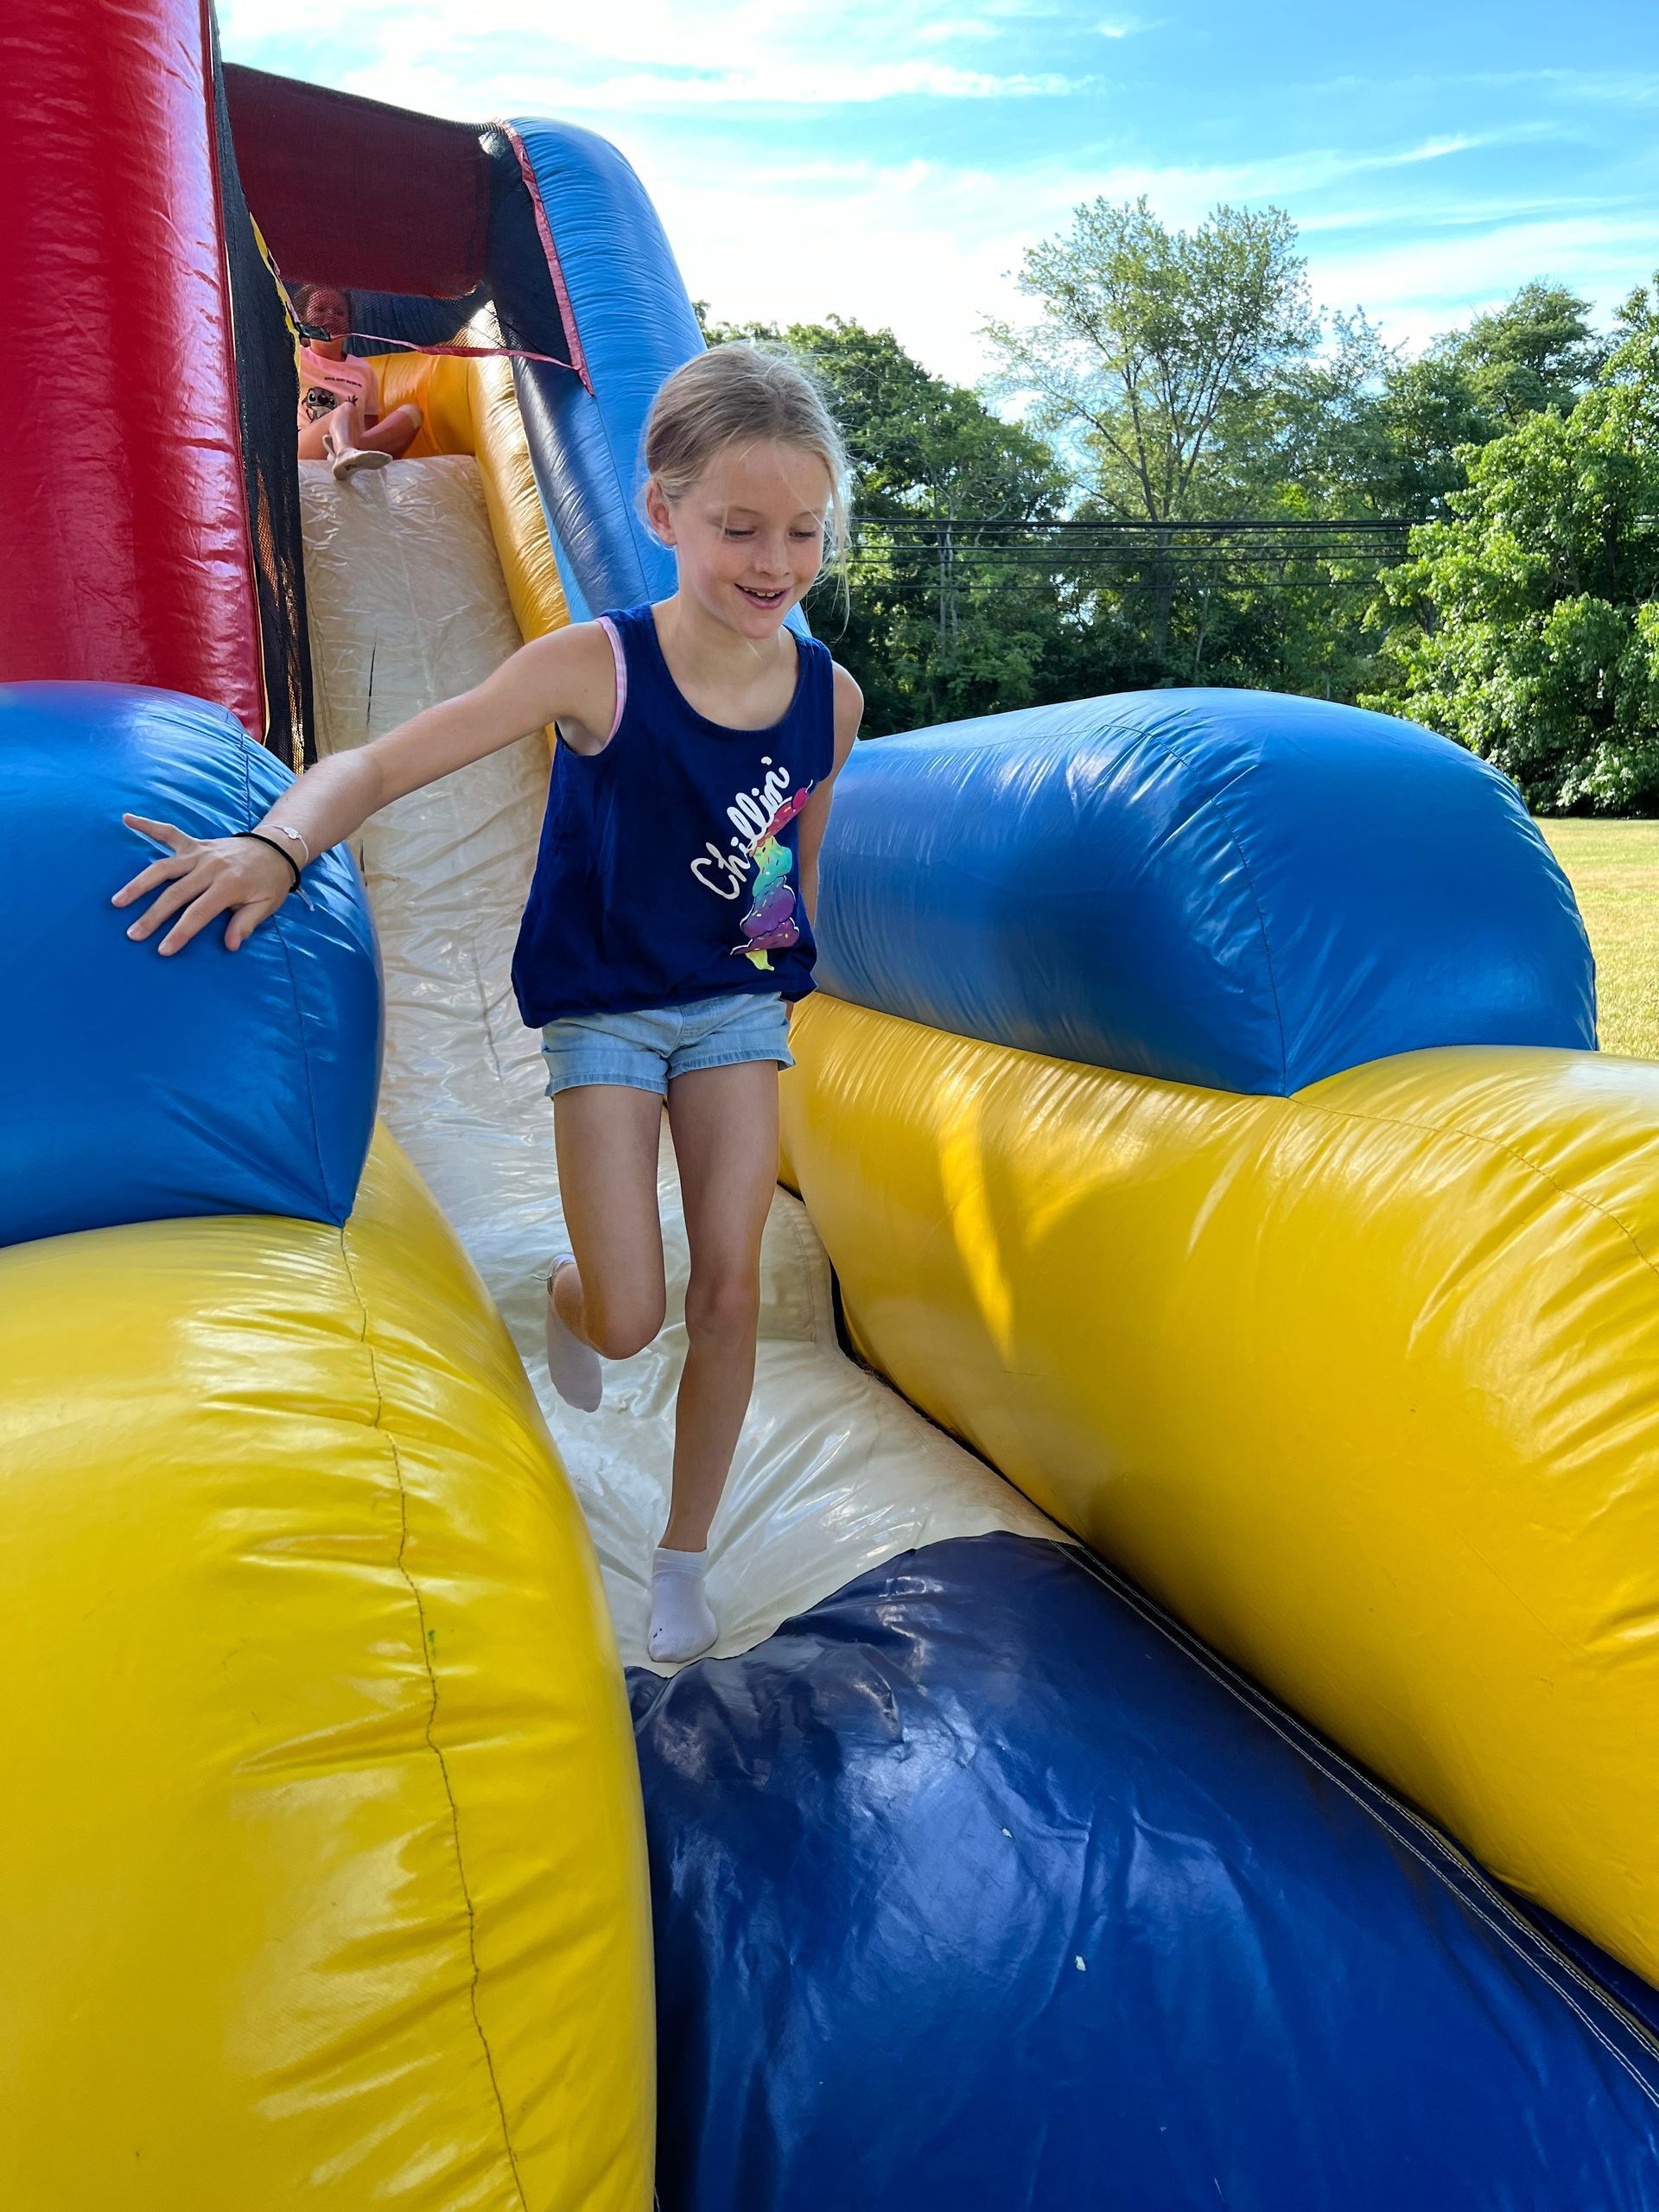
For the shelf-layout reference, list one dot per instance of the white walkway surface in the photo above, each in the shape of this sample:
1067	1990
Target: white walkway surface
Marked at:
834	1473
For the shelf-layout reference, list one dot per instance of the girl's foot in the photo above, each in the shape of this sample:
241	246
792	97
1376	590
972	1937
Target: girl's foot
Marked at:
572	1366
681	1626
345	460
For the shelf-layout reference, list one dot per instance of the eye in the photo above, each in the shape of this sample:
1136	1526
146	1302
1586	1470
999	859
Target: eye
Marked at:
740	533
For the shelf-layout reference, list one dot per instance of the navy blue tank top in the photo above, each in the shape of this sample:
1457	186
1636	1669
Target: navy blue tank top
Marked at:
670	867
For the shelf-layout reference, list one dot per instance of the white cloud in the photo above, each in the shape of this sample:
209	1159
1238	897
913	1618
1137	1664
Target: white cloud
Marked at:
826	85
915	246
1461	214
929	246
1417	287
1626	88
953	27
656	54
929	250
430	89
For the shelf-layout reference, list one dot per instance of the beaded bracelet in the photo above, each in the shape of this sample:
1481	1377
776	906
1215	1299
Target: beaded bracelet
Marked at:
260	838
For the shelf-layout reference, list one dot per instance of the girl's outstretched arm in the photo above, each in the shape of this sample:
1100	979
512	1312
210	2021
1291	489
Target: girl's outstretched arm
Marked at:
569	676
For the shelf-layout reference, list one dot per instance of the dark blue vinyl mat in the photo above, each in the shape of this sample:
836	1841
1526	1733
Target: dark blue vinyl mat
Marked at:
982	1887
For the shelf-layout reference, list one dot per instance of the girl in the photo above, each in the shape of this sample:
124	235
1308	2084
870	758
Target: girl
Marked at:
339	397
669	926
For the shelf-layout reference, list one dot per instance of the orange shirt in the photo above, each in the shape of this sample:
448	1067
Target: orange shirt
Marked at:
325	384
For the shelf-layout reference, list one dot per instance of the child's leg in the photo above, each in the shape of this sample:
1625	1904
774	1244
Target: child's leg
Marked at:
394	433
608	1137
347	440
725	1125
342	433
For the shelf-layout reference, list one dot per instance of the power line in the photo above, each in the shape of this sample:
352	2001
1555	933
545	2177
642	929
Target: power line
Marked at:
1279	523
1384	536
1297	552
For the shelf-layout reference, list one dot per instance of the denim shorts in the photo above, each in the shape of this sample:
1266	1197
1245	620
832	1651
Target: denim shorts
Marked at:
646	1050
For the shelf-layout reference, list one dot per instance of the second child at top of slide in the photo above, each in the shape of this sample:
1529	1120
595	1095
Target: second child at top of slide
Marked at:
668	927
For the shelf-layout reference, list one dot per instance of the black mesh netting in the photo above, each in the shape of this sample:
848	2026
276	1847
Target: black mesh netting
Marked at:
267	395
416	320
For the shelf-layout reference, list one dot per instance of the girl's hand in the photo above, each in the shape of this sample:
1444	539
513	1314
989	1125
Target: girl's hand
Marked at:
233	875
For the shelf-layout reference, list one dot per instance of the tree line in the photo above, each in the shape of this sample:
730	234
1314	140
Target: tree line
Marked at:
1182	471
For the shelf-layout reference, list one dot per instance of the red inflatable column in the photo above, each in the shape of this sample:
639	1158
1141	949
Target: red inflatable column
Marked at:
124	552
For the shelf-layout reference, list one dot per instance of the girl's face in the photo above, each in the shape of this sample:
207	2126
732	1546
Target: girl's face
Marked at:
749	533
326	309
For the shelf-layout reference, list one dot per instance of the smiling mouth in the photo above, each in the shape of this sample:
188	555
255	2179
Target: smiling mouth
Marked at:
761	597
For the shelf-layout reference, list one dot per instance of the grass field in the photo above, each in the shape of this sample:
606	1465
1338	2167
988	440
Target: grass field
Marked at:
1614	867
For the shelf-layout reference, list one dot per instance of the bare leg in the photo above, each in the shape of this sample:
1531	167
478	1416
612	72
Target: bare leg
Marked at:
607	1137
394	433
725	1125
345	432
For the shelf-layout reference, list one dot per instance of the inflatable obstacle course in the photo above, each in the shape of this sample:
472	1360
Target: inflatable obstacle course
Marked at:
1215	1149
1359	1380
297	1012
331	1875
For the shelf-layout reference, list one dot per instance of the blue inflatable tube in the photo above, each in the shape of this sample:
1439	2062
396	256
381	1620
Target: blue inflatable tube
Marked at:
628	323
1227	888
981	1885
139	1087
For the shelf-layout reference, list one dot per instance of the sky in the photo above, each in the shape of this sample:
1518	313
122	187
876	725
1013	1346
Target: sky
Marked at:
892	160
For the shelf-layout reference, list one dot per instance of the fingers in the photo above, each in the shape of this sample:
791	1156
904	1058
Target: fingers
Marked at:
195	882
147	879
164	831
158	871
178	894
247	919
196	916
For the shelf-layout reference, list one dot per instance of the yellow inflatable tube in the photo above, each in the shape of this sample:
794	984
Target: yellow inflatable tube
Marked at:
1364	1383
469	407
325	1871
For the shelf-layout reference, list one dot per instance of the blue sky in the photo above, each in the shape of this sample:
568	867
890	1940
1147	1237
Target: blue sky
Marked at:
890	159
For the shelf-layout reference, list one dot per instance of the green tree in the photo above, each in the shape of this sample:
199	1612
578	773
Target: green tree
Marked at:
1537	352
1304	443
1143	338
1526	626
1428	415
1353	430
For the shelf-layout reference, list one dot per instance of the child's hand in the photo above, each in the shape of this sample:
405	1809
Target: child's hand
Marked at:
233	875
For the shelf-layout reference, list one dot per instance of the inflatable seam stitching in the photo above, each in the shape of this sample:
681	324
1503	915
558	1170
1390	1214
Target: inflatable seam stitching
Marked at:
413	1588
323	1180
1361	1788
1214	800
554	267
1492	1144
625	503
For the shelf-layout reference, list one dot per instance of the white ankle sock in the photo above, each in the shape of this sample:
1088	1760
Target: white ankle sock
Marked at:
682	1625
572	1366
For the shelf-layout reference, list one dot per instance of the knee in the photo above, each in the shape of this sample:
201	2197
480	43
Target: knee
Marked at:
722	1308
618	1327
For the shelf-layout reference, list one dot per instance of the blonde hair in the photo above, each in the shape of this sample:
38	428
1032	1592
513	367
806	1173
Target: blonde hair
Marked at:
737	395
